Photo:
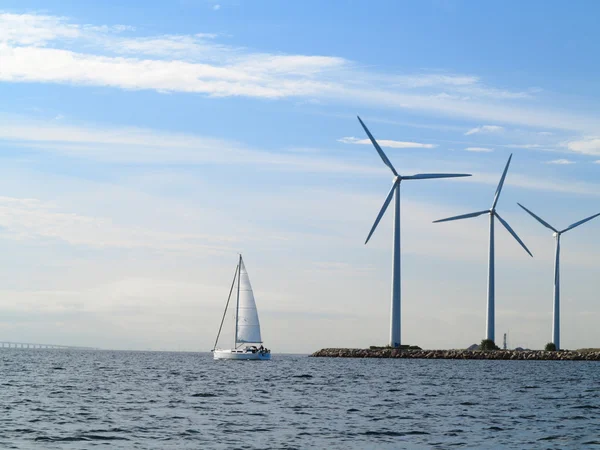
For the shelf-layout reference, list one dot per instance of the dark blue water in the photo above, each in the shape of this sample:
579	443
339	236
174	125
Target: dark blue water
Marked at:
136	400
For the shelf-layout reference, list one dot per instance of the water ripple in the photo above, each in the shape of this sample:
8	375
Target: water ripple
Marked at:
55	399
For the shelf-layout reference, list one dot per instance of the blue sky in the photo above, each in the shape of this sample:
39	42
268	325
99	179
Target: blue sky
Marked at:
143	144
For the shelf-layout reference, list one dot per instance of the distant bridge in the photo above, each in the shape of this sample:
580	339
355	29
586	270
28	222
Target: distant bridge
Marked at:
10	344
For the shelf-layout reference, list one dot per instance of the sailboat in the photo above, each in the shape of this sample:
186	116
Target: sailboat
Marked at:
247	343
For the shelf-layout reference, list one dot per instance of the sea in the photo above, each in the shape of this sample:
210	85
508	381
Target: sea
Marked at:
63	399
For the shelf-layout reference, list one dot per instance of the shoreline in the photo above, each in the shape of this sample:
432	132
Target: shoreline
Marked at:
519	355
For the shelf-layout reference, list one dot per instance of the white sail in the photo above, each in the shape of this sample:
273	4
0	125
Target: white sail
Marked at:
248	326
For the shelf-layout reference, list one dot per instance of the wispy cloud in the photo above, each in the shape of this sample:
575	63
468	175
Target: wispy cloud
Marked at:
561	161
386	143
40	30
127	145
429	80
537	184
37	30
146	146
21	64
489	92
216	7
527	146
50	49
225	71
189	47
485	129
452	86
479	149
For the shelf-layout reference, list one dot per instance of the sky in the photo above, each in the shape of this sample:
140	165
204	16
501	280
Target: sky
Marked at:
143	145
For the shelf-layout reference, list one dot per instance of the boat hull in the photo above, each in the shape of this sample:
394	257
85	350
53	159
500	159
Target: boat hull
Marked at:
240	355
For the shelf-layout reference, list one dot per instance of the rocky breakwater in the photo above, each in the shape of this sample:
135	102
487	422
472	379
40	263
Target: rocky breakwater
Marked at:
528	355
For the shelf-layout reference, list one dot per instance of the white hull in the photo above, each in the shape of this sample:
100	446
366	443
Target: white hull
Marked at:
241	355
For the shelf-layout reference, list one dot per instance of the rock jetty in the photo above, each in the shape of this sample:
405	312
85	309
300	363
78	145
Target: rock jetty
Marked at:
529	355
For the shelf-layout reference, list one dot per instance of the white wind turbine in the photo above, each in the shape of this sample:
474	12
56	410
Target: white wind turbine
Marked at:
395	194
491	310
557	234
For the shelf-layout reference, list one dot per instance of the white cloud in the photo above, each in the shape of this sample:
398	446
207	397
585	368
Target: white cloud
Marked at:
561	162
39	30
22	64
216	7
479	149
225	71
386	143
485	129
597	161
33	29
590	146
47	49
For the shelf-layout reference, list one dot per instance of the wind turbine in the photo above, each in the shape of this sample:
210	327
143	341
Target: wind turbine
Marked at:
557	234
491	310
395	194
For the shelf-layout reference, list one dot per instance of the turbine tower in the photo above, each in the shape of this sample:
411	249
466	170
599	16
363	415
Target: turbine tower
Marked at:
557	234
491	309
395	194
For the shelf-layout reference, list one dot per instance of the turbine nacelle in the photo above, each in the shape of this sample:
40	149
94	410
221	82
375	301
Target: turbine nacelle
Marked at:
492	211
557	232
399	178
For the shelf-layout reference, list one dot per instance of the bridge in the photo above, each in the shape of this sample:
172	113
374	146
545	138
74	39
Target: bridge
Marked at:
10	344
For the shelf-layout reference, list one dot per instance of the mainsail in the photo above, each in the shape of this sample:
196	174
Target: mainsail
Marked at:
248	326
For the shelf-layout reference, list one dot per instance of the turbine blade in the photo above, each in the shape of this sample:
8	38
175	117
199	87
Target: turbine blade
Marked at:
581	222
499	188
511	231
539	219
386	203
464	216
385	159
426	176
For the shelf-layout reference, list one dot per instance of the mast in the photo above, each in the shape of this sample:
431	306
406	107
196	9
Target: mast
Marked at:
237	303
226	306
